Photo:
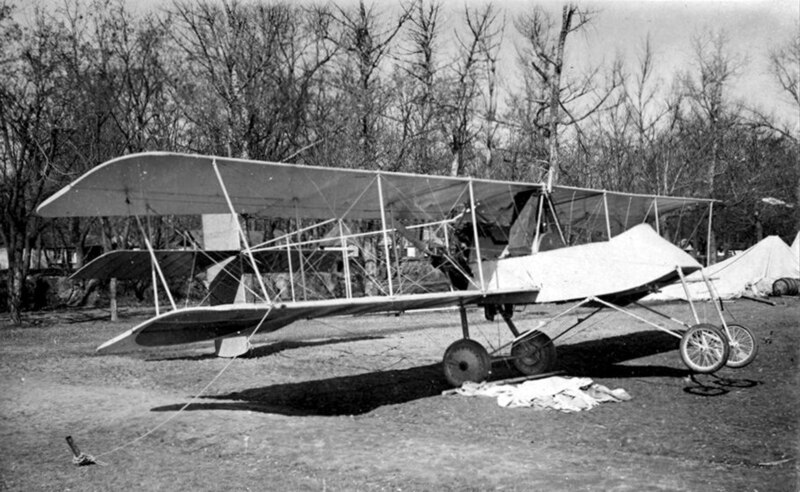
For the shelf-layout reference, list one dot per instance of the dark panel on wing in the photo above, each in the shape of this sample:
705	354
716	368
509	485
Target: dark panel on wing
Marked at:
135	264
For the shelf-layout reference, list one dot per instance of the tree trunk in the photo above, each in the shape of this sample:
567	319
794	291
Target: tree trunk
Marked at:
112	284
555	95
797	194
17	271
371	267
759	227
712	173
76	238
112	295
455	164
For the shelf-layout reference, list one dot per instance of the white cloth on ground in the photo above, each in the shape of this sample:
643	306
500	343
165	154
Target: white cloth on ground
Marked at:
558	393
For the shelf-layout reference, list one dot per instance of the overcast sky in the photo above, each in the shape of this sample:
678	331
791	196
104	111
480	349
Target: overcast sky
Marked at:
754	27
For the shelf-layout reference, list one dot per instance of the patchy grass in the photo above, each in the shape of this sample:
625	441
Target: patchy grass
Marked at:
355	404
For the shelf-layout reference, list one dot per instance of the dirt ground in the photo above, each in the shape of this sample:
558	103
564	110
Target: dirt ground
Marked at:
356	404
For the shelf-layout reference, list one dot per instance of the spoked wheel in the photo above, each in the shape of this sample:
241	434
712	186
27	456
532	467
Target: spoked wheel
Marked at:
704	348
533	354
744	346
466	360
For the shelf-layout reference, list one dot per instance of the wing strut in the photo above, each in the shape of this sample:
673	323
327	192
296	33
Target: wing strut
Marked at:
688	295
156	265
348	287
475	234
608	219
246	243
708	235
658	219
299	233
385	235
556	220
291	267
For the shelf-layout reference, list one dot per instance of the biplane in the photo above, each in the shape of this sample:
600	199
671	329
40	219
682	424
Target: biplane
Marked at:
497	244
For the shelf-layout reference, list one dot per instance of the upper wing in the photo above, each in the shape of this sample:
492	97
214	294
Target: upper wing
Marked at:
207	323
161	183
179	184
582	206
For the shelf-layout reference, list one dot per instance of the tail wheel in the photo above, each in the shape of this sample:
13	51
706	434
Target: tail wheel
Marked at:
744	346
704	348
466	360
533	354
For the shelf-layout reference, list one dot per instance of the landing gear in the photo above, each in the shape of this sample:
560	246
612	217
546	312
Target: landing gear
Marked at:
466	360
704	348
743	346
534	354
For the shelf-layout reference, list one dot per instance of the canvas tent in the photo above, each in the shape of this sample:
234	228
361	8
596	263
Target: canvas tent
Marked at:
751	272
796	247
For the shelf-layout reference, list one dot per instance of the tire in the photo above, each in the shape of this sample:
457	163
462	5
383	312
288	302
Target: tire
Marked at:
704	348
744	346
533	354
466	360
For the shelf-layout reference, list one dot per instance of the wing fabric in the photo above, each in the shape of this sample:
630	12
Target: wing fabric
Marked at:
179	184
136	264
207	323
162	183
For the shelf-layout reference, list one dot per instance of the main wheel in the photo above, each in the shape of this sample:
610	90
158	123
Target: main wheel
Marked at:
704	348
533	354
466	360
744	346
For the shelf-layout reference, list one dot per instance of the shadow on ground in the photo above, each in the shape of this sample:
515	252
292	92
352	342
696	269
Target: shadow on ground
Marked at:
602	358
362	393
269	348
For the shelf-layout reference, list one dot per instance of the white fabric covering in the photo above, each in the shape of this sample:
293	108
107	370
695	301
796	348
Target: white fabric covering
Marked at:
558	393
750	272
632	259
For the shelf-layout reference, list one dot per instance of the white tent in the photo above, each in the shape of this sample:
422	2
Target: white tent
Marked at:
796	247
751	272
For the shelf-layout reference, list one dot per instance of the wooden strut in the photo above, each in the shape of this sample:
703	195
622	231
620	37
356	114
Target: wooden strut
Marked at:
154	264
519	336
242	235
385	232
464	323
478	255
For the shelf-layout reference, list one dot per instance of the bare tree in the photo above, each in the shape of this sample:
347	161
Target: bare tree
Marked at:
34	124
366	40
711	112
543	64
418	87
634	132
785	66
247	75
475	65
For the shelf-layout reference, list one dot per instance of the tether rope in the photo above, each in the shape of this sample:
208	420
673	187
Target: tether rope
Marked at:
190	402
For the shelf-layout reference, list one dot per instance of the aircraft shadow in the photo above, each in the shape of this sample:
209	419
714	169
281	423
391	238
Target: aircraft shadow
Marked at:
273	348
601	358
348	395
362	393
